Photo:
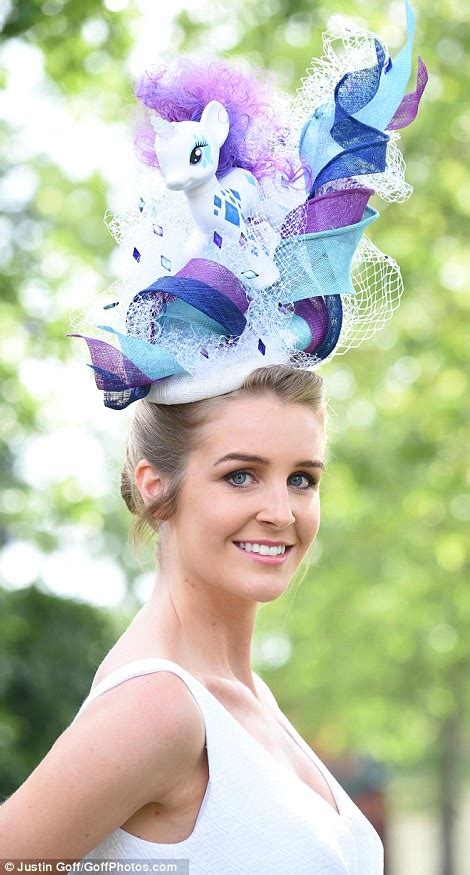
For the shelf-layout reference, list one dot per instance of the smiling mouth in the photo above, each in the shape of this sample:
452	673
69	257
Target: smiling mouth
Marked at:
262	557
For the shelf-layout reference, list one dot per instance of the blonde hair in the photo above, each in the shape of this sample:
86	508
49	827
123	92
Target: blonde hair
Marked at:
166	434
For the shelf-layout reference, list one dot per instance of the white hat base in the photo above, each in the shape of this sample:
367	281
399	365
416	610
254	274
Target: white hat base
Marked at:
184	388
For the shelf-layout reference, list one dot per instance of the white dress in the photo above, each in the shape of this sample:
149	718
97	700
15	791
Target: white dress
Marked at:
257	816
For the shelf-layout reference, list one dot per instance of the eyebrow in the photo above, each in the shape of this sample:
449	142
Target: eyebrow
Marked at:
262	460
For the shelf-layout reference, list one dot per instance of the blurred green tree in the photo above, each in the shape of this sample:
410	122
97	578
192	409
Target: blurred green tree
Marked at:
49	649
55	248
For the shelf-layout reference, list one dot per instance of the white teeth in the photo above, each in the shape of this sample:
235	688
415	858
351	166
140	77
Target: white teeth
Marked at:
263	549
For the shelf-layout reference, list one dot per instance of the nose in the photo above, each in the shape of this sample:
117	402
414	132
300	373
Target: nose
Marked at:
277	508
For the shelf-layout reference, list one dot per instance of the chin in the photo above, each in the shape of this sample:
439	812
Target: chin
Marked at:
265	591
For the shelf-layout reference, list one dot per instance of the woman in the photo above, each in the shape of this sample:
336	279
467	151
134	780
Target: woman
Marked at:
180	751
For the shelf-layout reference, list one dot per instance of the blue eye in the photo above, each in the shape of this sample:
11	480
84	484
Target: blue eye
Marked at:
196	154
306	477
237	474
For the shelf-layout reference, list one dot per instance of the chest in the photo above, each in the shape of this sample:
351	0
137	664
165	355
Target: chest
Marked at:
174	819
268	727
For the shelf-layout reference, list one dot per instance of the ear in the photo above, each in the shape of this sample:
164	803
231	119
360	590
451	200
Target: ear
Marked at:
162	128
148	480
215	118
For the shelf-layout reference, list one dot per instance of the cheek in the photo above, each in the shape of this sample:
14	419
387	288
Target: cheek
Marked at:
223	517
210	516
312	518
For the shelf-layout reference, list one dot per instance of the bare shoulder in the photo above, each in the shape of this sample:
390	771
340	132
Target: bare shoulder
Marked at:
161	696
130	746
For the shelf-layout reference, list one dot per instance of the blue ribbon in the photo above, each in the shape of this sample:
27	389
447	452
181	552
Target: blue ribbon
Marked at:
204	298
346	137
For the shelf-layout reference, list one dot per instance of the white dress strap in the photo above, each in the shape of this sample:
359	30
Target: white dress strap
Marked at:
138	667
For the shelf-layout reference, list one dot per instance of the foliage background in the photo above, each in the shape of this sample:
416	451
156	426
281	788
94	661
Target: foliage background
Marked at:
370	652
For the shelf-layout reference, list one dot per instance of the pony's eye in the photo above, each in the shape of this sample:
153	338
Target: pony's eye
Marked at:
196	155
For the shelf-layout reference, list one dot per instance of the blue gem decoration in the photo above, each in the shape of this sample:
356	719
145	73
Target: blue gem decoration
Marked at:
165	262
141	204
217	239
231	214
157	229
249	274
204	353
217	201
216	212
283	308
136	254
110	306
261	347
236	194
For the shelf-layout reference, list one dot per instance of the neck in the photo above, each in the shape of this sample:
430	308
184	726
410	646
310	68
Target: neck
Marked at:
211	184
207	631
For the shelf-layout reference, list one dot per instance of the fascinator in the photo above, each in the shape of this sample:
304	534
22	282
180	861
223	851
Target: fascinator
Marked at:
247	244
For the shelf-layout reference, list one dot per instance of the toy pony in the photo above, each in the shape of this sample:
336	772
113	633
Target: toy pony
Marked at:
188	156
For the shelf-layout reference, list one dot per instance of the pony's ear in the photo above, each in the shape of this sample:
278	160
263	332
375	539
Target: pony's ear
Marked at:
162	128
215	117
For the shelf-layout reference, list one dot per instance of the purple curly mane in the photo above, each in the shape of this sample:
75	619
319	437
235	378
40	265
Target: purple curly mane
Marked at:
181	91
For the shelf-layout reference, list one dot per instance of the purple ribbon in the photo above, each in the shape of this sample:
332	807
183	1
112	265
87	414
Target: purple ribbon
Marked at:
408	109
334	209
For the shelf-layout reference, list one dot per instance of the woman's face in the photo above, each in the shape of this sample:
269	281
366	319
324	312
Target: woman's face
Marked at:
227	501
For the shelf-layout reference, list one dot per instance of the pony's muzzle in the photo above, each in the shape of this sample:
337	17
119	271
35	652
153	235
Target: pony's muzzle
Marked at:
175	183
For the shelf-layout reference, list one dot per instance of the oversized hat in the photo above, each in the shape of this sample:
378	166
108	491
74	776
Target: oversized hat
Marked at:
247	246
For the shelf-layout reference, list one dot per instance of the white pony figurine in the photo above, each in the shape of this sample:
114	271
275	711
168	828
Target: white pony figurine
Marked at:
188	156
